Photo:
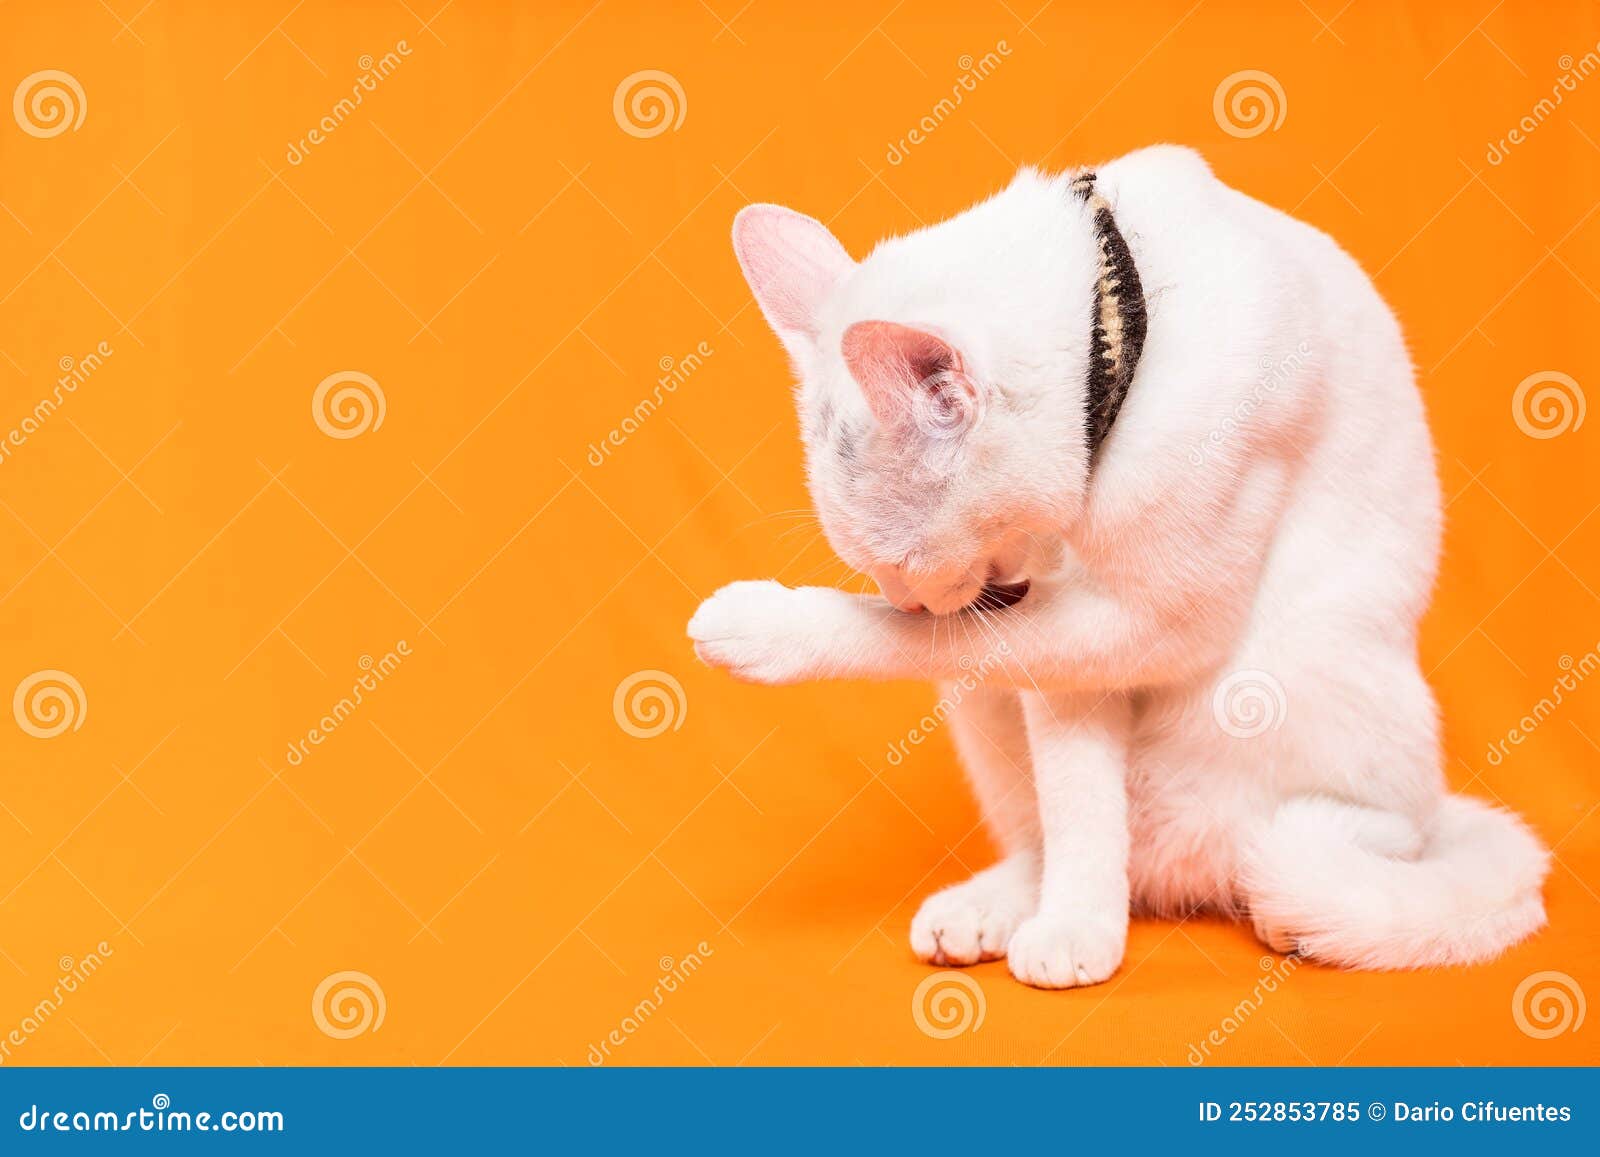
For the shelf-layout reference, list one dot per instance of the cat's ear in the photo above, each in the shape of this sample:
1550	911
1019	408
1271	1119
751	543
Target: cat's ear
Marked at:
792	263
907	371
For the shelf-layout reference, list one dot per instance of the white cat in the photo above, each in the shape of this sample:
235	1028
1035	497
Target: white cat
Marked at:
1208	695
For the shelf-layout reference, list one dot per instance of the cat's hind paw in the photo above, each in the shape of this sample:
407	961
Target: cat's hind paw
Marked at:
1275	937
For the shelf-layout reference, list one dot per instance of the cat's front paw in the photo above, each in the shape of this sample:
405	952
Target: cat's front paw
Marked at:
1068	951
974	920
762	631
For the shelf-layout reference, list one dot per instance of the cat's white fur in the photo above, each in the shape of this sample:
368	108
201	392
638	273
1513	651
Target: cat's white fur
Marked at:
1259	533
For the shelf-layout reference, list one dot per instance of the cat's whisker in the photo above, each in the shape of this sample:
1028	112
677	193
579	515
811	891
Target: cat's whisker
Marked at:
991	634
1012	657
808	515
816	532
825	566
966	634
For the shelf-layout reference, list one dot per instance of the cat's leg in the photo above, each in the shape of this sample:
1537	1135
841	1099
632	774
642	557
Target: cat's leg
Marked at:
1070	638
1079	745
974	920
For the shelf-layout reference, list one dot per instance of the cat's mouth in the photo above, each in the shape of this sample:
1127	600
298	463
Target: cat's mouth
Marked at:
998	596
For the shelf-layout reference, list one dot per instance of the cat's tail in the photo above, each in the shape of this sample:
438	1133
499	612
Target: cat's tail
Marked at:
1361	888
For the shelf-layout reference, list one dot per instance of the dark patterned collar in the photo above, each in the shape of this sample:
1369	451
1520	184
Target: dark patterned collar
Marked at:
1119	321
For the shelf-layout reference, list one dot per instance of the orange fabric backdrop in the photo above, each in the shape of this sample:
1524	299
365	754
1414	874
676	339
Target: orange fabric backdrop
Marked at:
515	272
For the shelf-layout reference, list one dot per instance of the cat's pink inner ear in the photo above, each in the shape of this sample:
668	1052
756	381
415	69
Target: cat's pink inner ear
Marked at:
891	362
792	263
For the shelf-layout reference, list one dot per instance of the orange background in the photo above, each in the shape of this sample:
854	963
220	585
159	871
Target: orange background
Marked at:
481	237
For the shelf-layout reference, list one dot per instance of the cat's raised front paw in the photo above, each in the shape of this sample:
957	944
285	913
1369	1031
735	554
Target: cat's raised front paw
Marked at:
1062	951
974	920
762	631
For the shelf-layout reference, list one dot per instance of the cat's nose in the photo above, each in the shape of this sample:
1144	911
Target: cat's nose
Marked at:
895	589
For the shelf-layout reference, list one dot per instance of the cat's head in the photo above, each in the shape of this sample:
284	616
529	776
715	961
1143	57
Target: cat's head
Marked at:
941	386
